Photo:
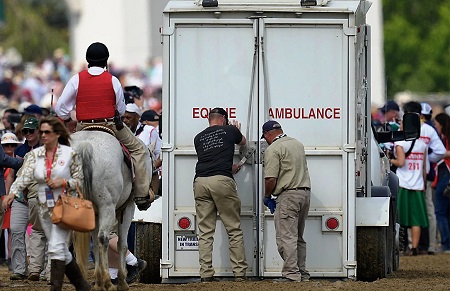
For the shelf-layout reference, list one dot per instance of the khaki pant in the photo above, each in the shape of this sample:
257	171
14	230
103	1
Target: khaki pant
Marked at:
218	194
137	151
38	240
431	217
290	216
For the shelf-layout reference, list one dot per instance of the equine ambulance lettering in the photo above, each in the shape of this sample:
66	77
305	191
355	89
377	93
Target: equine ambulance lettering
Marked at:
203	112
189	243
305	113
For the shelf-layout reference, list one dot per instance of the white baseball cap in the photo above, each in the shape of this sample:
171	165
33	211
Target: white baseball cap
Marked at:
9	137
426	108
131	107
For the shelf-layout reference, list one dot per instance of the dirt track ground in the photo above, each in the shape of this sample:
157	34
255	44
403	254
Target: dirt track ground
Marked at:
416	273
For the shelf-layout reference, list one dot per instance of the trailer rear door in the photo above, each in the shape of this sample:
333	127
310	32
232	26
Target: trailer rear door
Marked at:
305	69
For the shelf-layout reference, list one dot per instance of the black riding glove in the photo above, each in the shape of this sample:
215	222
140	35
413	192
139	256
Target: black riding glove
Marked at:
118	121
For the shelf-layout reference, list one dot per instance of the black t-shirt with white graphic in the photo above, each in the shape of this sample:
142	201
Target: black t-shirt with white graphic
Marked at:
215	150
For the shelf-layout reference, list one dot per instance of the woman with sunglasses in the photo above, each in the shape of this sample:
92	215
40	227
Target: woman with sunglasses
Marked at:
24	210
56	167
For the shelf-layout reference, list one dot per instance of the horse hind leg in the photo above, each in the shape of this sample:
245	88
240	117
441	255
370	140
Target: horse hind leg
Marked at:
101	242
122	246
102	278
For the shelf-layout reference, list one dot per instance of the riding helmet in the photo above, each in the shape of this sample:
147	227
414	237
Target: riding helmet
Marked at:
97	53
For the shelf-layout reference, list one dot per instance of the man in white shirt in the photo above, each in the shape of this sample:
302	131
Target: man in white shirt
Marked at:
151	120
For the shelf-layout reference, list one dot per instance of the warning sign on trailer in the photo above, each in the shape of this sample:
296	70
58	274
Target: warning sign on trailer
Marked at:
187	243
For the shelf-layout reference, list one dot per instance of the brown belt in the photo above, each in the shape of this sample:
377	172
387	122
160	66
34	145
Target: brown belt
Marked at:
100	120
299	188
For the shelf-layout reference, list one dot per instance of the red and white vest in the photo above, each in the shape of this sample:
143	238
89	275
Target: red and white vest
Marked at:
96	98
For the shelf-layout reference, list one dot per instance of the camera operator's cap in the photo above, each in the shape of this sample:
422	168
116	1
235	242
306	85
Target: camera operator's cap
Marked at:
31	123
9	137
133	108
150	115
134	91
426	109
390	105
33	109
268	126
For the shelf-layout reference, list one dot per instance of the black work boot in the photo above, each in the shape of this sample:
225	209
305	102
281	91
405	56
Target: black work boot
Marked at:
75	276
143	203
133	272
57	275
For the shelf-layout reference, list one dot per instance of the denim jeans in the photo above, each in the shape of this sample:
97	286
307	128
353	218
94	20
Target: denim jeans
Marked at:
441	204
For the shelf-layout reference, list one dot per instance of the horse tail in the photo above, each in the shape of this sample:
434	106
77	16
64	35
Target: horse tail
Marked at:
85	150
81	245
81	240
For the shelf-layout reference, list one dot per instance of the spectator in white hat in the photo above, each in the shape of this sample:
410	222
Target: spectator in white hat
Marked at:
9	142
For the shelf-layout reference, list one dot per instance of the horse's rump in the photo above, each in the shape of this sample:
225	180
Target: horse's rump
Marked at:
103	166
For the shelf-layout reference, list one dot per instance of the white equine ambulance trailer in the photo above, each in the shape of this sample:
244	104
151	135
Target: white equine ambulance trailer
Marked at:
307	67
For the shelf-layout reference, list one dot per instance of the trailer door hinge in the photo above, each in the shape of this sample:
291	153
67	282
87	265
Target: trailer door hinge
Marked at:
166	264
350	31
167	31
349	148
350	264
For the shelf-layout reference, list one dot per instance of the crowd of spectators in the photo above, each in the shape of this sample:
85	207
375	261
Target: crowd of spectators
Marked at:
42	82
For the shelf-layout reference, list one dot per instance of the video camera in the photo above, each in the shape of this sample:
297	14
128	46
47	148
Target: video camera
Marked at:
131	92
14	118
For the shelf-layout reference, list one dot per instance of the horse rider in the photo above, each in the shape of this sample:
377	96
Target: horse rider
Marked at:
99	100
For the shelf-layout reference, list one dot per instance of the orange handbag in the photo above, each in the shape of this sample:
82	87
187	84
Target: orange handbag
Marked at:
74	213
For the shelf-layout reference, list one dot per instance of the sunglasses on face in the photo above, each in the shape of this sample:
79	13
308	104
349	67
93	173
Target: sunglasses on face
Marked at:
26	131
45	132
10	145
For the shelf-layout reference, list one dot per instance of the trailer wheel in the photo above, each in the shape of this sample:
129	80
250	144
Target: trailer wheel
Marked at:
371	252
148	247
397	248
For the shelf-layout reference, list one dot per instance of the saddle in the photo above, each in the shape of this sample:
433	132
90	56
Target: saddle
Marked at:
126	153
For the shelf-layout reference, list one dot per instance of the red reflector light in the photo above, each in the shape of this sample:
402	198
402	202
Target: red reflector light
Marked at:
332	223
184	223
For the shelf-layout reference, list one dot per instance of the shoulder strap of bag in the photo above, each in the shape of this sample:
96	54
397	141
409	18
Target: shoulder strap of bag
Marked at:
139	130
408	152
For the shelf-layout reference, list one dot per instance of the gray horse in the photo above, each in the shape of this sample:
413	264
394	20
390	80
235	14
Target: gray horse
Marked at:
108	184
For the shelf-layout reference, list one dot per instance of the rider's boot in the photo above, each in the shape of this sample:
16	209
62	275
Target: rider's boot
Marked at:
143	195
75	276
57	275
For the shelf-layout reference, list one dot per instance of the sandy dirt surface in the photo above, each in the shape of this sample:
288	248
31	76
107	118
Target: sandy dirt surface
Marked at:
423	272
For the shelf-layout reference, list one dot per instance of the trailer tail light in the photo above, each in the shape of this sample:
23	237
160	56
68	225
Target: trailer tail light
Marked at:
332	222
184	223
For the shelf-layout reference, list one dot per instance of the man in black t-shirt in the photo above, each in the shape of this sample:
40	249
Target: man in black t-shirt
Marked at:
215	191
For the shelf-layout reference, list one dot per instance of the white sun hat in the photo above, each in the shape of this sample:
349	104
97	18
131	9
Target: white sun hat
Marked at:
9	137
